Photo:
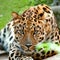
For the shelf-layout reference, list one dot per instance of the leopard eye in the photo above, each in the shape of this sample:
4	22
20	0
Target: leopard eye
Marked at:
22	31
35	32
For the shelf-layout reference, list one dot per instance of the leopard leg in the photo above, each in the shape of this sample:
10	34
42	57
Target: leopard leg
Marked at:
39	55
15	52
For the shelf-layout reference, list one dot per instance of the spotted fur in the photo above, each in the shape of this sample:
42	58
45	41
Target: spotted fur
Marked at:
36	25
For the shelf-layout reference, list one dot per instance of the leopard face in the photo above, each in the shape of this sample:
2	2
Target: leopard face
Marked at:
35	25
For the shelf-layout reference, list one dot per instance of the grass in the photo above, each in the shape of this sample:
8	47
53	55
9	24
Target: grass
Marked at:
8	6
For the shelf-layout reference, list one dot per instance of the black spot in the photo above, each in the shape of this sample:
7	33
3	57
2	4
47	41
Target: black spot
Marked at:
43	52
15	32
37	55
47	7
24	15
9	58
12	58
48	56
35	12
4	30
49	19
40	37
53	51
46	20
42	57
24	24
52	37
41	14
43	34
4	35
44	8
38	7
48	11
48	38
15	41
33	24
16	37
13	50
57	37
56	42
39	22
15	56
12	54
55	33
17	46
48	52
19	25
23	19
38	26
35	20
11	37
34	16
0	40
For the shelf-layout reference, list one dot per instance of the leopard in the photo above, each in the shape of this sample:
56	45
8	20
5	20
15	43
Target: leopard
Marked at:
35	25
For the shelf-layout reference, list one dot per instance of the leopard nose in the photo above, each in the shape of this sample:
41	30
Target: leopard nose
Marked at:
28	45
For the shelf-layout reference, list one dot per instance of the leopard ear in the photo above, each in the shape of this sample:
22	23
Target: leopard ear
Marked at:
15	15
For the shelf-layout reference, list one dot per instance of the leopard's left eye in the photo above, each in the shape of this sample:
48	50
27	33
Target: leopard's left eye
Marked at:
22	31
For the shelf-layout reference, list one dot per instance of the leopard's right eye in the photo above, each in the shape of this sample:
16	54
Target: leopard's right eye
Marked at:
35	32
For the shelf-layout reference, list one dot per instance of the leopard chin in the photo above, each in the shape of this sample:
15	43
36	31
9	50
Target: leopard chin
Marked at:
28	53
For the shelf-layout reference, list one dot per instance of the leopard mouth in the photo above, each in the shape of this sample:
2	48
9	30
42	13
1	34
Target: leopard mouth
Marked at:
28	53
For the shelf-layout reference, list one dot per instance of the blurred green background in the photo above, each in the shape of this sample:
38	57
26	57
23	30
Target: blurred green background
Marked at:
8	6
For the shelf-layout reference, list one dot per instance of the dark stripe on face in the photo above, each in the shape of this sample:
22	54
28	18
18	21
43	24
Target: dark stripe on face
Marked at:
4	35
12	54
0	40
4	30
11	38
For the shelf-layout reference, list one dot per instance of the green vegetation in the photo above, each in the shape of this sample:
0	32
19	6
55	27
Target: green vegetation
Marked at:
7	7
48	46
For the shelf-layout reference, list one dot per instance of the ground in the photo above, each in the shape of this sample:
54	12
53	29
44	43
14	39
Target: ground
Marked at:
56	57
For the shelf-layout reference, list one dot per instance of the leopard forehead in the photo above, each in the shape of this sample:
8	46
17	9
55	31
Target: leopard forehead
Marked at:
34	16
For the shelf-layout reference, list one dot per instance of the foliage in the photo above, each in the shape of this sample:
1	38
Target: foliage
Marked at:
43	2
48	46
